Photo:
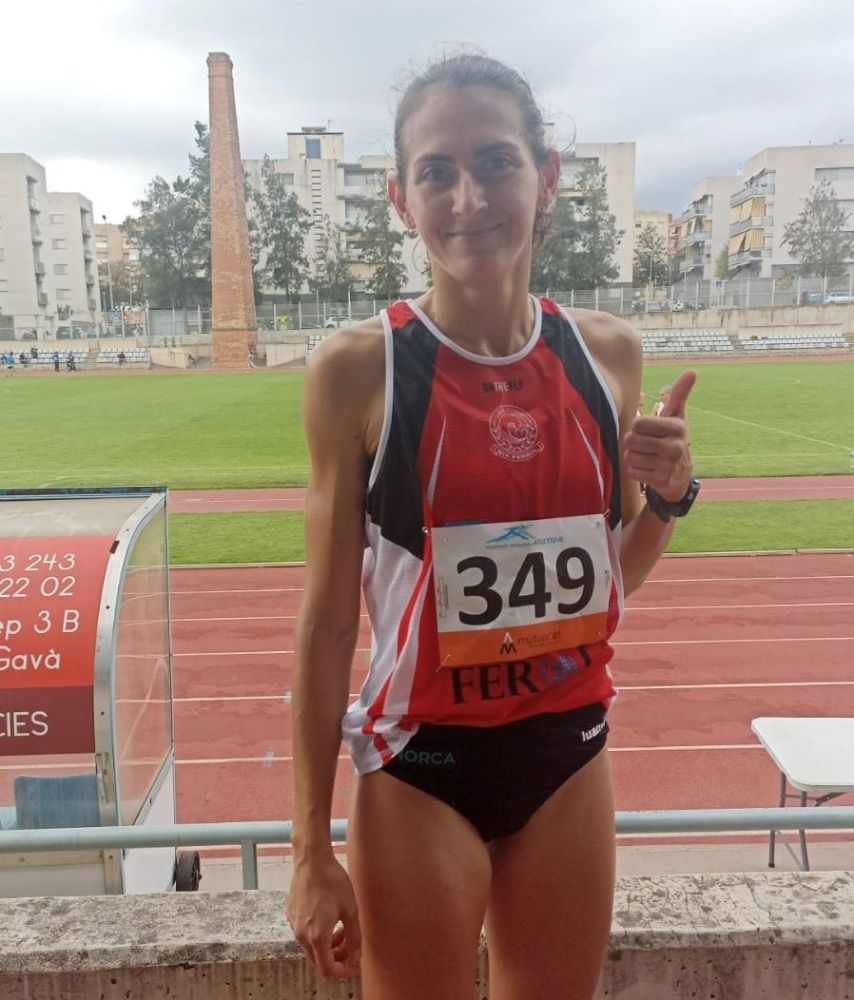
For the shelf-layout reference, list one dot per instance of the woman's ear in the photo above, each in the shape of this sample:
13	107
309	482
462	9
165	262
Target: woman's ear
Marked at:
549	180
397	196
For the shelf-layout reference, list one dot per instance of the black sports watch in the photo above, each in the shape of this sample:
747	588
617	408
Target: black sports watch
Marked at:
665	509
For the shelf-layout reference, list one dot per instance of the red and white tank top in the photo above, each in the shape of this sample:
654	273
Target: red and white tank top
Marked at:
493	529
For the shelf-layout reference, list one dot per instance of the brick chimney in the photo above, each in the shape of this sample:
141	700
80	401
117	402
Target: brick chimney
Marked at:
233	320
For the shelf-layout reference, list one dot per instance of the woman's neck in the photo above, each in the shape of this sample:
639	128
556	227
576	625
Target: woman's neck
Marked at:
495	321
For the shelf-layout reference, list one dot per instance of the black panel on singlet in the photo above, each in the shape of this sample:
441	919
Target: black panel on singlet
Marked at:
560	338
394	502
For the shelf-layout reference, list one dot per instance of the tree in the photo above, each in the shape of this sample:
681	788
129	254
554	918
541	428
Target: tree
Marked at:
552	266
817	238
650	263
331	277
376	242
280	228
579	251
173	233
722	264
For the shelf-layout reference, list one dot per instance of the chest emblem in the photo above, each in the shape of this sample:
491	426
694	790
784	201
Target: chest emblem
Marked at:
514	434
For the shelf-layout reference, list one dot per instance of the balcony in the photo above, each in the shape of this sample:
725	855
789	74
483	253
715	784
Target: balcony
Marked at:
695	263
39	269
88	256
751	192
36	236
33	203
757	222
93	305
745	258
697	237
42	298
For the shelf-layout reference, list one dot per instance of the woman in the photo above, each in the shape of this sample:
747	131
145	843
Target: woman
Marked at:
471	446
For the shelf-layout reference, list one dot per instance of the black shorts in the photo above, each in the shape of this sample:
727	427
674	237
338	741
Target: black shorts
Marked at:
498	777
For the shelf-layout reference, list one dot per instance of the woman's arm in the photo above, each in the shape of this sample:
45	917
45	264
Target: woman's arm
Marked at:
653	450
340	389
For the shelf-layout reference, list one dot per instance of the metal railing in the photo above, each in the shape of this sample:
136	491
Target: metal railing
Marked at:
249	835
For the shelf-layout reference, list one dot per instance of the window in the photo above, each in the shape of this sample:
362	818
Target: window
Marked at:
59	244
58	218
60	269
287	178
312	149
63	294
834	174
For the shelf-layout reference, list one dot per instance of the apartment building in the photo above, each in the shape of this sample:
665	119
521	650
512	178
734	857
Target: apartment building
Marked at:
75	271
328	185
703	229
618	159
48	277
771	190
27	292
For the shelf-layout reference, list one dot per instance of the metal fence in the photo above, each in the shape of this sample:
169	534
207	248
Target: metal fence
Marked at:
249	835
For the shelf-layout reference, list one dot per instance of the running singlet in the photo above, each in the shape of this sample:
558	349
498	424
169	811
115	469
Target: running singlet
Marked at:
493	529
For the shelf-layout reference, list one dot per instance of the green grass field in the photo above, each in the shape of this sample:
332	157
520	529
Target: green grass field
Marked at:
192	431
785	418
214	430
217	430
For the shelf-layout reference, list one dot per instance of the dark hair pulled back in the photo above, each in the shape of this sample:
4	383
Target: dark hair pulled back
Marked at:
471	70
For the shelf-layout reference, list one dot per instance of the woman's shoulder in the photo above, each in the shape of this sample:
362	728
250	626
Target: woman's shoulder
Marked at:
612	341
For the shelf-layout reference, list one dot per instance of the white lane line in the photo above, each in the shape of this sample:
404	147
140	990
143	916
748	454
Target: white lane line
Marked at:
644	607
256	652
289	759
773	430
274	618
731	607
242	590
745	684
622	688
685	746
746	579
718	642
637	642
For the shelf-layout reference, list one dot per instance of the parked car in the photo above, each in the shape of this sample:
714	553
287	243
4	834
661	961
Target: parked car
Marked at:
841	298
334	322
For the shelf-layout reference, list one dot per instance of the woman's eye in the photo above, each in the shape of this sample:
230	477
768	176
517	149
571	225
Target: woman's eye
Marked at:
498	164
434	175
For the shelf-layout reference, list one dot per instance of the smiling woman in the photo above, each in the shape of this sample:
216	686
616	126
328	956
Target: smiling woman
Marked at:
475	459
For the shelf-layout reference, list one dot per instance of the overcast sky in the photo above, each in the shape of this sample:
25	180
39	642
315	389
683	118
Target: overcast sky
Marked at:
104	92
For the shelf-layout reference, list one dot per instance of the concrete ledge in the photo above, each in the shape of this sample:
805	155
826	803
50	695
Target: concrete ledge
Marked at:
762	936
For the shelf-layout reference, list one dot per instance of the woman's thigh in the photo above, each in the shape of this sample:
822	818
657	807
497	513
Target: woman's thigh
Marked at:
549	910
421	875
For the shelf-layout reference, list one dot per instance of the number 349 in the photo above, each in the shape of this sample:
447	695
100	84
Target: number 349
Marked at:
529	585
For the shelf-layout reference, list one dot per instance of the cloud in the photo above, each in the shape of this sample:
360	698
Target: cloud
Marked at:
699	87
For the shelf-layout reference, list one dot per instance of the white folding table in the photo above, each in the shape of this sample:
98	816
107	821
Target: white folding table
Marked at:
815	756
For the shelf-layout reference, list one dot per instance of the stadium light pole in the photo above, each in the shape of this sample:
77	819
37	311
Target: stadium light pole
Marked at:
109	269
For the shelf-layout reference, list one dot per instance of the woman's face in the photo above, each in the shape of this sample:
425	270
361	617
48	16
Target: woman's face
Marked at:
472	189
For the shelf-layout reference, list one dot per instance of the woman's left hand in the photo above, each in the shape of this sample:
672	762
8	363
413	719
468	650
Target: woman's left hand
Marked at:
656	450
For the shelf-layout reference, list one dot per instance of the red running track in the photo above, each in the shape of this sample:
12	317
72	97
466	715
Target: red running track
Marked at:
779	488
707	644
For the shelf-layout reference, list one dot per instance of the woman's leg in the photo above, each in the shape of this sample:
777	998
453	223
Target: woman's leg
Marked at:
549	910
421	874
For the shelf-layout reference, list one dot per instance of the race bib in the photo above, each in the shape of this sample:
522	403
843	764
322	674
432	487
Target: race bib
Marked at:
515	590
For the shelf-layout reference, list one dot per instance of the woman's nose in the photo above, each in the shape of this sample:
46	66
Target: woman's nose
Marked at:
469	196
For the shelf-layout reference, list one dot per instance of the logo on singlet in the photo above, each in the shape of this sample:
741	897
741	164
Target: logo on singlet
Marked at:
514	434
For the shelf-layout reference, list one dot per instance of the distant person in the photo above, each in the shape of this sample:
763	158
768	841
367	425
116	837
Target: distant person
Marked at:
251	358
663	400
24	358
121	357
9	359
641	404
55	359
70	363
34	351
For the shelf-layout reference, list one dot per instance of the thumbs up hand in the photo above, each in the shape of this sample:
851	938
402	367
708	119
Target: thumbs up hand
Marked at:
656	450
